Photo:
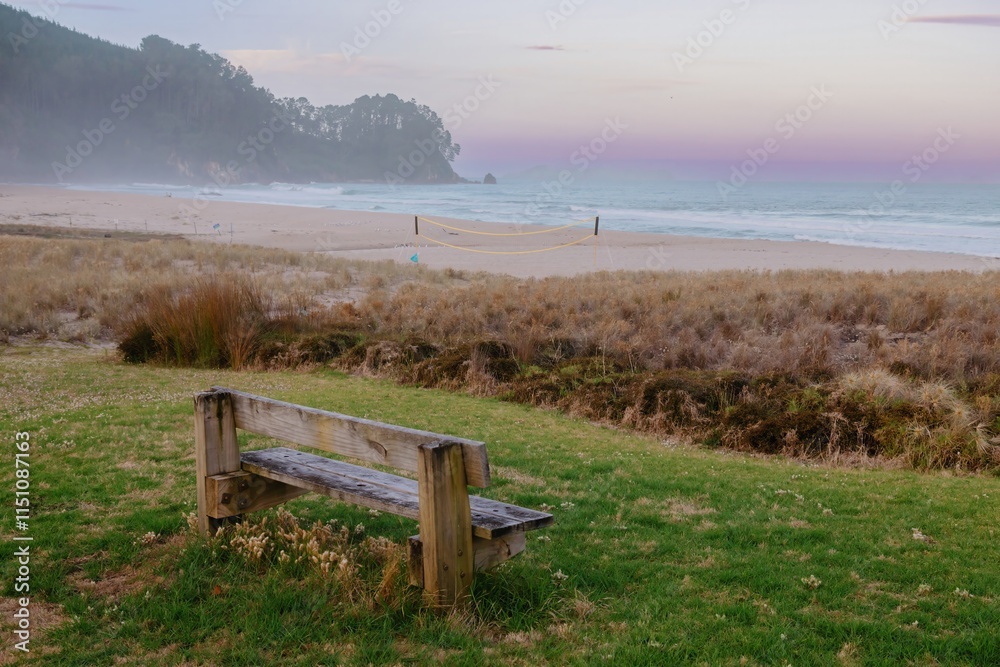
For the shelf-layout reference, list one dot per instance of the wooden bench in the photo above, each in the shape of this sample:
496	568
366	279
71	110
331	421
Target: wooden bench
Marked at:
459	534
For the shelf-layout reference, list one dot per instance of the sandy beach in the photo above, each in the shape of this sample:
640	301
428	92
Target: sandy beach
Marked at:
381	236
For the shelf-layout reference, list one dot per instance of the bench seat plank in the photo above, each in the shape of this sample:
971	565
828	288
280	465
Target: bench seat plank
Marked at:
383	491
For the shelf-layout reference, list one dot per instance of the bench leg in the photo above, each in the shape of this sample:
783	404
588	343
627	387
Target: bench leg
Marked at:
445	524
216	450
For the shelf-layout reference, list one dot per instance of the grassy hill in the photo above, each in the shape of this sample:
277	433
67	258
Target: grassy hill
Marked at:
661	554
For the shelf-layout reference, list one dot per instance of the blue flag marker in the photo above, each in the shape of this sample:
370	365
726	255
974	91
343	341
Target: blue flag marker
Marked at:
216	226
415	259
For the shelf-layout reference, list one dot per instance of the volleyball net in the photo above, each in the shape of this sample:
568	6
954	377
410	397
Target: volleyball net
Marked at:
519	242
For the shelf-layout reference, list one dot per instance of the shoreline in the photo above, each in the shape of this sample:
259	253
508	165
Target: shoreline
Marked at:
390	236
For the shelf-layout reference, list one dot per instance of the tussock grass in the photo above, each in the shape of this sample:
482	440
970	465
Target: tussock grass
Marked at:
846	367
218	323
809	323
84	289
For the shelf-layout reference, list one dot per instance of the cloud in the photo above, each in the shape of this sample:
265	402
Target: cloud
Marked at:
545	47
987	20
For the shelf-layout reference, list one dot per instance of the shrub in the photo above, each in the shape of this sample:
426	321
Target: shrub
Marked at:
218	323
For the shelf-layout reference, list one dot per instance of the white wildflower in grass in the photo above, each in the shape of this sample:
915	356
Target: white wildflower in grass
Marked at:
567	506
544	538
919	536
923	589
558	576
963	594
359	529
827	512
374	512
545	507
811	582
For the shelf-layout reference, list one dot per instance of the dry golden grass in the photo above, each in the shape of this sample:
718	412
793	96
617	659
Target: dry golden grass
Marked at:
82	287
805	363
940	325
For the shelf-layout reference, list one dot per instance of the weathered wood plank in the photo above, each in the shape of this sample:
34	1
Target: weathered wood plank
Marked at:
491	519
336	486
524	518
520	518
216	450
362	439
445	524
490	553
486	554
242	493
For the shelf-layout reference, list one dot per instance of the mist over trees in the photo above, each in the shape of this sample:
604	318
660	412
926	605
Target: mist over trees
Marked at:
74	108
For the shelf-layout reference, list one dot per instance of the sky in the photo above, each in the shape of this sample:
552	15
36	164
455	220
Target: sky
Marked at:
846	90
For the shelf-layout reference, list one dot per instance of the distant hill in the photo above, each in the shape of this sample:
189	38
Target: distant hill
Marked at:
77	108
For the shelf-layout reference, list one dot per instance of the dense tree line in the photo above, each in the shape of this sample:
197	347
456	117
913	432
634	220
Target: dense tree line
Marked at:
77	108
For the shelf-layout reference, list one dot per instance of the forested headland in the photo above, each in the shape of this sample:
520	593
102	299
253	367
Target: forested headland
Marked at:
74	108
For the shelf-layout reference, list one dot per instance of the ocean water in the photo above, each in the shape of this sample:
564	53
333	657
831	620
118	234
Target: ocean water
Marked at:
961	219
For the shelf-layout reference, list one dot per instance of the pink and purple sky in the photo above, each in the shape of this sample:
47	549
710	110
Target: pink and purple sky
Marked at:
898	71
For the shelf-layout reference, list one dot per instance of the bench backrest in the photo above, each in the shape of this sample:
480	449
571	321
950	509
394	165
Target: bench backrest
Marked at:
362	439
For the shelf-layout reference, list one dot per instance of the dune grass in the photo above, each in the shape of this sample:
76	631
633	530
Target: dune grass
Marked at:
812	324
838	366
661	554
78	286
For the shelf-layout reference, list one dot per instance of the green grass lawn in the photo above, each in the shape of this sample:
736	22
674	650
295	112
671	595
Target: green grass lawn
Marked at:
659	555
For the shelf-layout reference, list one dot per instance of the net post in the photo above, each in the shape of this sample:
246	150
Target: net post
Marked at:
597	224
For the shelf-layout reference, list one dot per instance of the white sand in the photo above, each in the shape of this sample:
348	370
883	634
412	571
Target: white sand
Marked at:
366	235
